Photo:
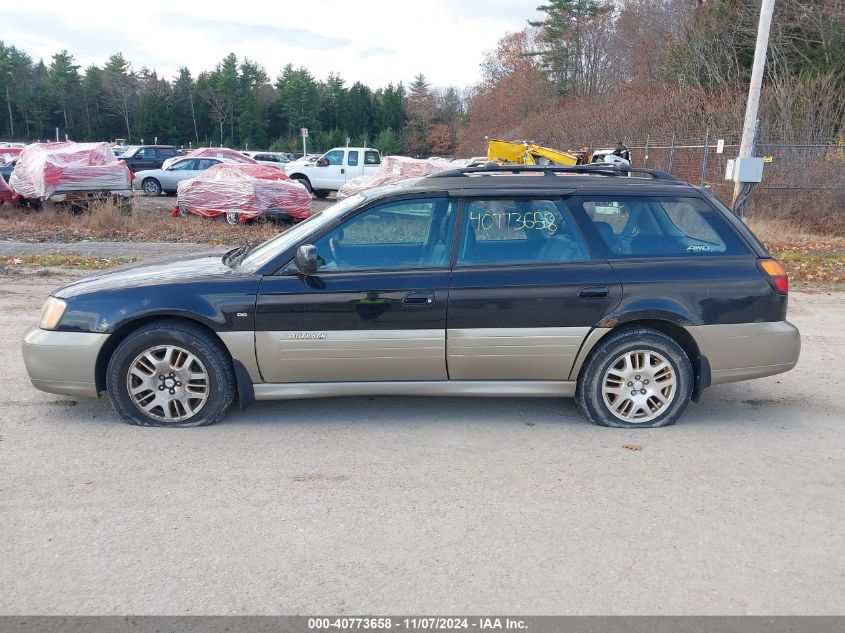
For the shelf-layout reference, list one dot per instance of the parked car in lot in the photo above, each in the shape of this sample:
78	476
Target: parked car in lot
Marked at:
155	181
147	156
241	192
330	171
472	282
276	159
7	169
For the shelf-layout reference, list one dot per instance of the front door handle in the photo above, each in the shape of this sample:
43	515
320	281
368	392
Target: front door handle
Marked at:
593	292
342	170
419	298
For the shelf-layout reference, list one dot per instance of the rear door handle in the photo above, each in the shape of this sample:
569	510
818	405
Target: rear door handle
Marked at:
419	298
593	292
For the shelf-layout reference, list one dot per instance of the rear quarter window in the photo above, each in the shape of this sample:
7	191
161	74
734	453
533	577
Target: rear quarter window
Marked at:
656	226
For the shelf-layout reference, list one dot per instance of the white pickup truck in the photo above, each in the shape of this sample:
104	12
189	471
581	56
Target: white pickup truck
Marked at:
331	170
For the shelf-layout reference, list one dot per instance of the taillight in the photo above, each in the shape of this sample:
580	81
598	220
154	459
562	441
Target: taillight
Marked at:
775	273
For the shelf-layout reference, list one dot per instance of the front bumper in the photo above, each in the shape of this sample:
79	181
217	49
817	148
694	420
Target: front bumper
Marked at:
62	362
743	351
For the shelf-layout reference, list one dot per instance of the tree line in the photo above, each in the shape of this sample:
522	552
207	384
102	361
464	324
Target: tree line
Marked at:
235	105
604	70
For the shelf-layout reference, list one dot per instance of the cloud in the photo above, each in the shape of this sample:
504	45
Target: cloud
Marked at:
375	51
216	28
374	41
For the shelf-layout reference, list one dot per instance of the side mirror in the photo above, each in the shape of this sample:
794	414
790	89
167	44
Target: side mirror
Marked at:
323	162
306	259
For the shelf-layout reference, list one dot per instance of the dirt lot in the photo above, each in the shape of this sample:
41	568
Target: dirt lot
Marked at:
395	505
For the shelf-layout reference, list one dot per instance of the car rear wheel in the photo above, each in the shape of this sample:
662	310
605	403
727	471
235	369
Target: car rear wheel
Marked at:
170	373
636	378
321	193
233	218
151	187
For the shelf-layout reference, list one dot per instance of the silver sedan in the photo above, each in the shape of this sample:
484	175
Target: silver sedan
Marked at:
153	181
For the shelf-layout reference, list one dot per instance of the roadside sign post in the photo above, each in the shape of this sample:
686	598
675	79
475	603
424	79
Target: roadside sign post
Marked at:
304	132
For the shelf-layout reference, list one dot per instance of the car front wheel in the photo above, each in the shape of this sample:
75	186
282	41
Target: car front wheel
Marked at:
170	373
151	187
636	378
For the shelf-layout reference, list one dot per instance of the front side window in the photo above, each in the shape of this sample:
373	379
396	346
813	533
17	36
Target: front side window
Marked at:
372	158
352	159
400	234
335	157
659	226
518	230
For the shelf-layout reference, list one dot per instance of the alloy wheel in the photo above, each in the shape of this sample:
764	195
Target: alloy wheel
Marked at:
168	383
639	386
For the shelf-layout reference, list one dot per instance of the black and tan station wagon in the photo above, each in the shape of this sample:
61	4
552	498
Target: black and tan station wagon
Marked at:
629	290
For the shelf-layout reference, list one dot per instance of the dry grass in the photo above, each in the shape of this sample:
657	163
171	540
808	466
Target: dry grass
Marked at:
819	214
108	221
65	260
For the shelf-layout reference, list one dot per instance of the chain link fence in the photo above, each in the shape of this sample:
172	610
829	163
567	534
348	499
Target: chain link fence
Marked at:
809	176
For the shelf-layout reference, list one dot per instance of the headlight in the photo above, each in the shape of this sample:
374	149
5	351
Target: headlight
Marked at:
52	313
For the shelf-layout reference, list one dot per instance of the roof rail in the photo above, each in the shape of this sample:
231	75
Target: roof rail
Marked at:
598	169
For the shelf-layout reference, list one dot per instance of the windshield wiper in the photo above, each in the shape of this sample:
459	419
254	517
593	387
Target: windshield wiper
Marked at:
235	253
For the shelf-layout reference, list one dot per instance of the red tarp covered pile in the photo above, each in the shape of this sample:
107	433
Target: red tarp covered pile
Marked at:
213	152
395	168
6	193
47	168
250	190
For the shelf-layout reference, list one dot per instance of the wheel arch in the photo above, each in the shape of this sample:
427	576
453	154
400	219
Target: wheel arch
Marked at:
298	175
671	328
244	385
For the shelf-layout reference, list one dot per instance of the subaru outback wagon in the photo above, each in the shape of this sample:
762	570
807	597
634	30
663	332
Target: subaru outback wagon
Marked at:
631	291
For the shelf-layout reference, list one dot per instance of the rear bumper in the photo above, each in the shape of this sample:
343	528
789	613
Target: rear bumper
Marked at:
743	351
62	362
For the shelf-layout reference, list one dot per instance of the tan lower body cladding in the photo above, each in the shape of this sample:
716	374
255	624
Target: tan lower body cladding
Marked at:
389	355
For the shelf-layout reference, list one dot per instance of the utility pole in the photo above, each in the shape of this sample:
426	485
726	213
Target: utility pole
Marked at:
749	127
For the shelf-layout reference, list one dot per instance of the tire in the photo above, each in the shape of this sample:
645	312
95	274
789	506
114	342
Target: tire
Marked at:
656	364
192	349
322	193
232	218
304	181
151	187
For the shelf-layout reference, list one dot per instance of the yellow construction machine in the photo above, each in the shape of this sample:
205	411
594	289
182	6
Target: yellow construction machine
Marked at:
525	153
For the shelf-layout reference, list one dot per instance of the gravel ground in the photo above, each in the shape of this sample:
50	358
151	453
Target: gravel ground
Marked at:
396	505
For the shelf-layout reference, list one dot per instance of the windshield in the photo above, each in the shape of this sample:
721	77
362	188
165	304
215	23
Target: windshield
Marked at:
265	252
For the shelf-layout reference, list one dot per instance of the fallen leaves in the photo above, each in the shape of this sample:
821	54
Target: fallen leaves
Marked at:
632	447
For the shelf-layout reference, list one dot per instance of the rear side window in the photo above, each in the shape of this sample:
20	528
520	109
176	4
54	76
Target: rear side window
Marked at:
509	231
352	159
658	226
165	153
372	158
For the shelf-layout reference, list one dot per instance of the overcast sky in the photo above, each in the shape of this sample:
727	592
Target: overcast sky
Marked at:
373	41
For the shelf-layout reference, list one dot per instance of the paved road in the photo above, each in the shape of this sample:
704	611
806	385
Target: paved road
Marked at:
442	505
